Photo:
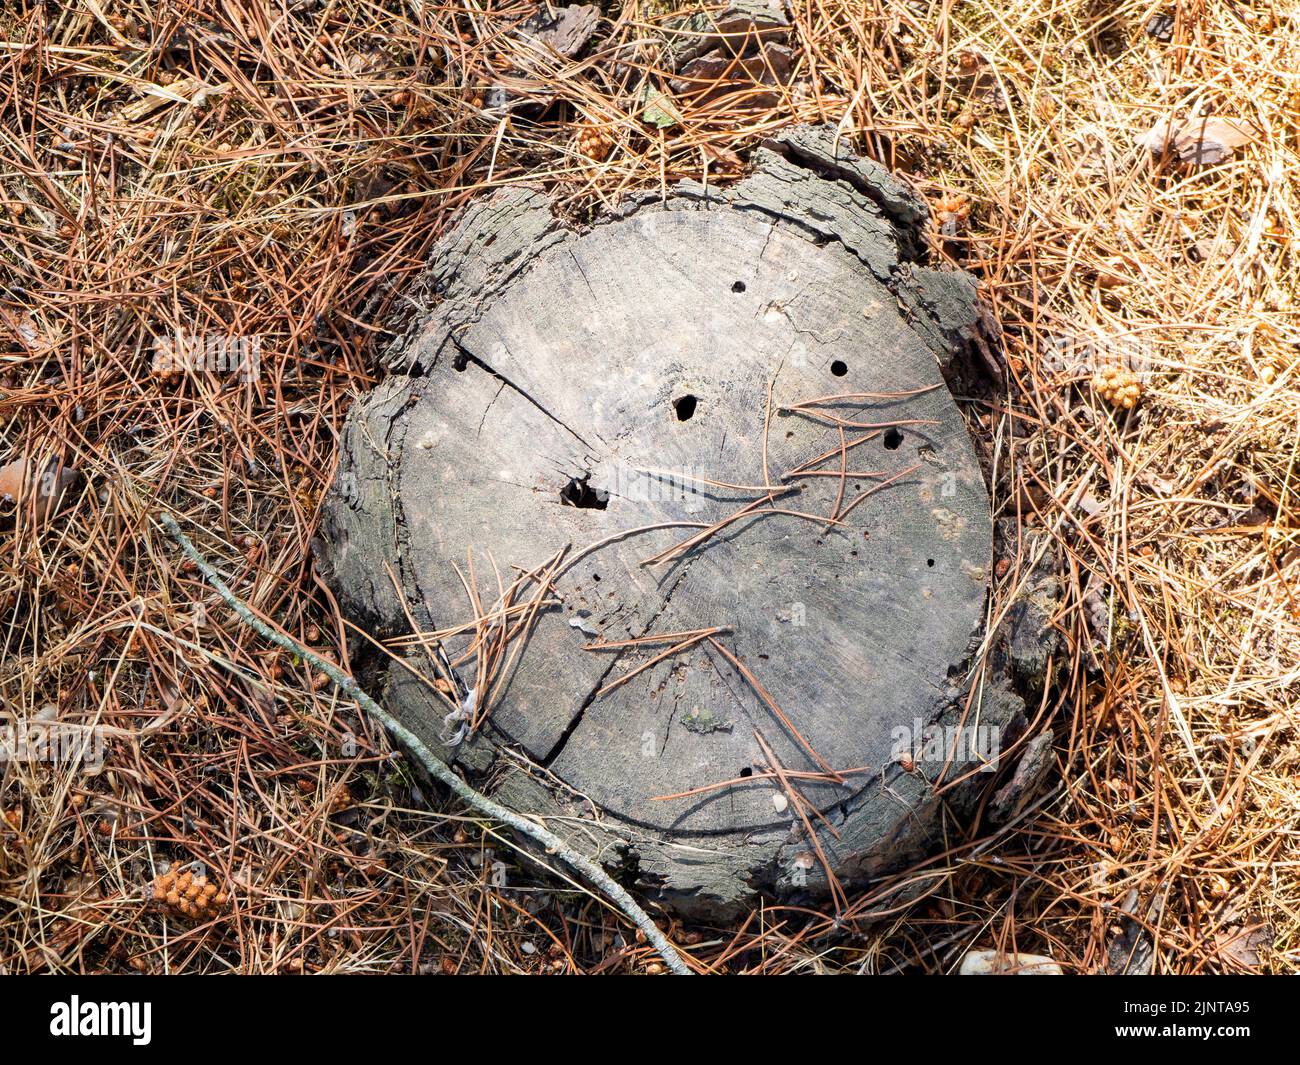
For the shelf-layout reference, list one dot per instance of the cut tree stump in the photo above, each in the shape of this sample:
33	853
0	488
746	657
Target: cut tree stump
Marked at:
723	416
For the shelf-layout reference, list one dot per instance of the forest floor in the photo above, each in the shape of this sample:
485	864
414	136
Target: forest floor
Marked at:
1121	177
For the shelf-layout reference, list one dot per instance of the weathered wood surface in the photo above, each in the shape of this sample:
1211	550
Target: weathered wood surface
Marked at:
559	368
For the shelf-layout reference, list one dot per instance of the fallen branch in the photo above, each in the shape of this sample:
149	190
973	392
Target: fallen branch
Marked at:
435	766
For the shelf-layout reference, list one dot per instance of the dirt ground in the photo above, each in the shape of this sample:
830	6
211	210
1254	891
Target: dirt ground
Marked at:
1122	179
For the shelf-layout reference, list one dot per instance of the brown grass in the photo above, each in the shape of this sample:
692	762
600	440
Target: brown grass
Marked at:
277	169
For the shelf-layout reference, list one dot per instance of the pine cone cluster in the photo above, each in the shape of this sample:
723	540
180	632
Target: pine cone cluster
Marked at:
595	142
187	893
1118	387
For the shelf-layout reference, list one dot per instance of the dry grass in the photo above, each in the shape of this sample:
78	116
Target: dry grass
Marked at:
276	169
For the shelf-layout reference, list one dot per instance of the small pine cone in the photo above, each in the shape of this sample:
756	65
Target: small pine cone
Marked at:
341	799
1118	387
187	893
595	143
957	205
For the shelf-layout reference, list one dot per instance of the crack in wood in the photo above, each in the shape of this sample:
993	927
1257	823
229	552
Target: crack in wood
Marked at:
471	359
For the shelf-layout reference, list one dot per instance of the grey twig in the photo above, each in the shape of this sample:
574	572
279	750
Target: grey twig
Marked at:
436	766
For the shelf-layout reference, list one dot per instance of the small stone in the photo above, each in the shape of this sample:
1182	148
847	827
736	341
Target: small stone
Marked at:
995	963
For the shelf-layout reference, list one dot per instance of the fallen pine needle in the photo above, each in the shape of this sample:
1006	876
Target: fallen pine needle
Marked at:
780	714
435	766
676	648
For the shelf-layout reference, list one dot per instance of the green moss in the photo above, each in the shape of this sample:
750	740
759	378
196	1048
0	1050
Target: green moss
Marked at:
703	720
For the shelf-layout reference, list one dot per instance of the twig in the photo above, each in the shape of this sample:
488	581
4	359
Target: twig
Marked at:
435	765
669	553
844	477
831	419
680	475
792	774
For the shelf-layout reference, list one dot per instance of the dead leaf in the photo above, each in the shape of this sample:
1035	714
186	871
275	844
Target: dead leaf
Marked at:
1239	947
722	161
38	494
1200	141
24	328
658	109
12	477
719	74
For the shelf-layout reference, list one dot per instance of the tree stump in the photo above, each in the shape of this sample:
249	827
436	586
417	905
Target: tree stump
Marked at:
692	526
